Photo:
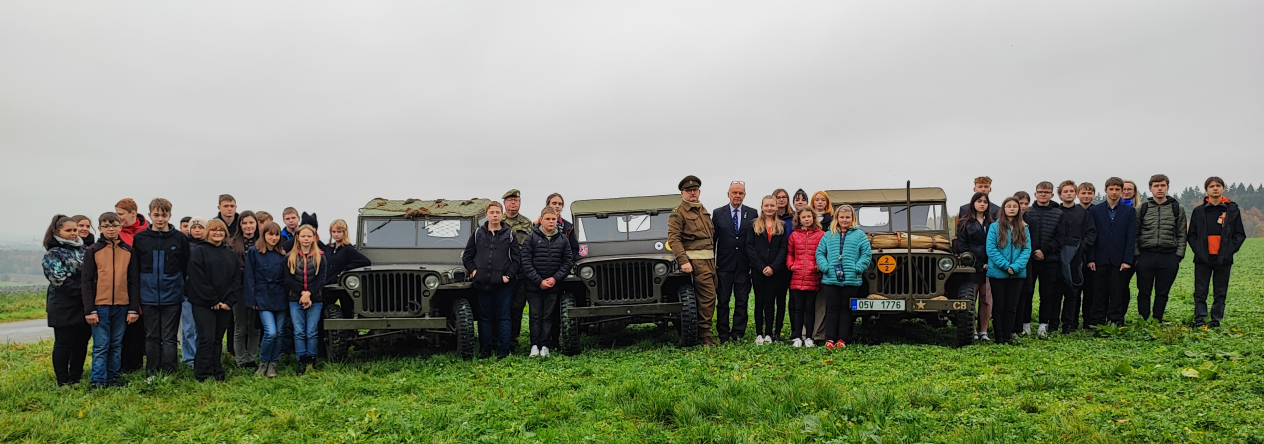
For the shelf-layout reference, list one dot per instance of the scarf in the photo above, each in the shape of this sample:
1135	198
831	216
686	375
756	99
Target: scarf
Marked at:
78	243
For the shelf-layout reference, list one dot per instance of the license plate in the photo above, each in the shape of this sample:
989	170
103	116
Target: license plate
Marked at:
877	305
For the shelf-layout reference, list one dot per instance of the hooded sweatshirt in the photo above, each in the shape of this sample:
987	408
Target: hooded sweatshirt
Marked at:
214	275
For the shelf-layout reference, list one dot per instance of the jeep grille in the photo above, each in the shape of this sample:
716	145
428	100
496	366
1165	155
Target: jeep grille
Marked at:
392	294
923	271
625	282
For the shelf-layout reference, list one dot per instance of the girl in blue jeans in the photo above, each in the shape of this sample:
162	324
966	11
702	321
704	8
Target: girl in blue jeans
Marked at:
305	276
492	256
266	292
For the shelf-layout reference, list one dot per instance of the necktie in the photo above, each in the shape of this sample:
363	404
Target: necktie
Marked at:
736	226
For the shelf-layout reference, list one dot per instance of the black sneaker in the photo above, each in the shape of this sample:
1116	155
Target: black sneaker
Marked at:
1214	324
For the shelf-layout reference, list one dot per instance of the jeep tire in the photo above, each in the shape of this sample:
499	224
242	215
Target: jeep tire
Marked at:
568	336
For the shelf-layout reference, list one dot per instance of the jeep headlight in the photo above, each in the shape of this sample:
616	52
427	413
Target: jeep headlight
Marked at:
660	269
586	272
945	264
432	281
967	259
352	282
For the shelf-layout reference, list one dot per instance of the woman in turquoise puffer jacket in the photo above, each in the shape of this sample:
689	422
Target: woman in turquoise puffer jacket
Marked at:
1008	250
842	255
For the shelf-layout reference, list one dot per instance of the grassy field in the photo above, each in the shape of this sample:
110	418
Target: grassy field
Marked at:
1140	383
21	306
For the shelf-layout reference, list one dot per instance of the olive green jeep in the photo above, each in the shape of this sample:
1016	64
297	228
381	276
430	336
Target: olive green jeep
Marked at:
625	273
914	272
416	288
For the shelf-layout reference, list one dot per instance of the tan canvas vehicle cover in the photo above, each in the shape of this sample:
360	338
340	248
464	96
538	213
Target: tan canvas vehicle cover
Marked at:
888	195
625	204
422	208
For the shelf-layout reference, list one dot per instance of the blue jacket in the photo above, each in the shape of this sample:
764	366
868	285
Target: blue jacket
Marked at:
163	257
1001	259
1116	237
265	281
855	254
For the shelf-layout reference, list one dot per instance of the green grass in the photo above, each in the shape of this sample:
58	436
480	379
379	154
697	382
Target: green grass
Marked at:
21	306
1140	383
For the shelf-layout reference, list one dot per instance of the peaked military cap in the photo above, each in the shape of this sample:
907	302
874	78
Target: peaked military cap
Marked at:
511	193
688	182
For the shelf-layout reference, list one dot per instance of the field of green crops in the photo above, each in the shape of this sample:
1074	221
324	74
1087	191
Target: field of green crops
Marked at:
1140	383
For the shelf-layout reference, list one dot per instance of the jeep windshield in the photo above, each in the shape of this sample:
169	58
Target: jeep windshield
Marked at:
893	218
621	227
399	232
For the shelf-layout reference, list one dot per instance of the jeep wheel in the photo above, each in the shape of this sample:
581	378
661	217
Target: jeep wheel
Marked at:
337	342
688	323
463	324
568	337
963	321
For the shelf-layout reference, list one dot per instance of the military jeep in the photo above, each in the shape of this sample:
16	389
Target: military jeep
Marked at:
914	272
416	288
626	273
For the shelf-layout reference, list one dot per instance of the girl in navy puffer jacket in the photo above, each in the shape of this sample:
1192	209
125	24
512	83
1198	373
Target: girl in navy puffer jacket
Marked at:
265	292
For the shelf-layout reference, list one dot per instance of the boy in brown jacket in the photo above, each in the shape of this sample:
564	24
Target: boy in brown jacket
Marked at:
111	298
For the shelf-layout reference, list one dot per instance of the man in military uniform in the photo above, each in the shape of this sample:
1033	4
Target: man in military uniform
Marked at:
691	237
521	227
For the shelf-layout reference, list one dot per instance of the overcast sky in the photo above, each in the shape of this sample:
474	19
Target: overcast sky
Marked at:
326	105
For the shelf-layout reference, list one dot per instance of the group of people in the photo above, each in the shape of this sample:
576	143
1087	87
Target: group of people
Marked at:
144	283
1084	255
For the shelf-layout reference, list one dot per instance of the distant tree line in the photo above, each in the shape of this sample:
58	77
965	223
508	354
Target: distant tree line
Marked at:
26	262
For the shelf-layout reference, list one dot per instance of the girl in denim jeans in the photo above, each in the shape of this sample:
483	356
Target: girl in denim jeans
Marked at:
266	292
305	276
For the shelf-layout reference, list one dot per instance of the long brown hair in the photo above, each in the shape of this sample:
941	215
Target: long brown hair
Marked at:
782	211
53	227
777	228
261	244
816	224
1007	225
313	252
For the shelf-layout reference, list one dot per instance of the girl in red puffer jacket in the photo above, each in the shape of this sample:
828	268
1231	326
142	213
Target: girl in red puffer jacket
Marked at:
805	278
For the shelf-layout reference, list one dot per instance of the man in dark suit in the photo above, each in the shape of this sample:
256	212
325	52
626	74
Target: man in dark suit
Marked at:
732	223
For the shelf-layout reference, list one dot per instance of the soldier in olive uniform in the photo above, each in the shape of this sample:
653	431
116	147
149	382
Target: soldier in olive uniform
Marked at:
521	227
691	237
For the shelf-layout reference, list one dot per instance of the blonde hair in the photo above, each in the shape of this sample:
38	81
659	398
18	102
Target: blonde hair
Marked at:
313	251
834	227
341	224
215	224
777	229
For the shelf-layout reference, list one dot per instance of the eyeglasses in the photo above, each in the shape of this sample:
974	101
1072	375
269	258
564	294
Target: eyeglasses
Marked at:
1044	192
105	226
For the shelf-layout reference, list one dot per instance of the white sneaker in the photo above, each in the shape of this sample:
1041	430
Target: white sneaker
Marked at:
808	343
759	340
1026	329
976	336
767	339
1013	336
535	351
544	351
1043	330
984	337
796	343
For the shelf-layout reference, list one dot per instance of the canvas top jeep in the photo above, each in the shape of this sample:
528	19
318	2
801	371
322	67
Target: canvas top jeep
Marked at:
914	272
416	285
626	271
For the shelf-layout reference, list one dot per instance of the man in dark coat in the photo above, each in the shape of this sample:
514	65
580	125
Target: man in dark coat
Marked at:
1044	220
1113	254
1215	235
1081	234
732	224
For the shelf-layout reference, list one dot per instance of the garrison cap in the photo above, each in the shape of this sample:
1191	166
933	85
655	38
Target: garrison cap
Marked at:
689	182
511	193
